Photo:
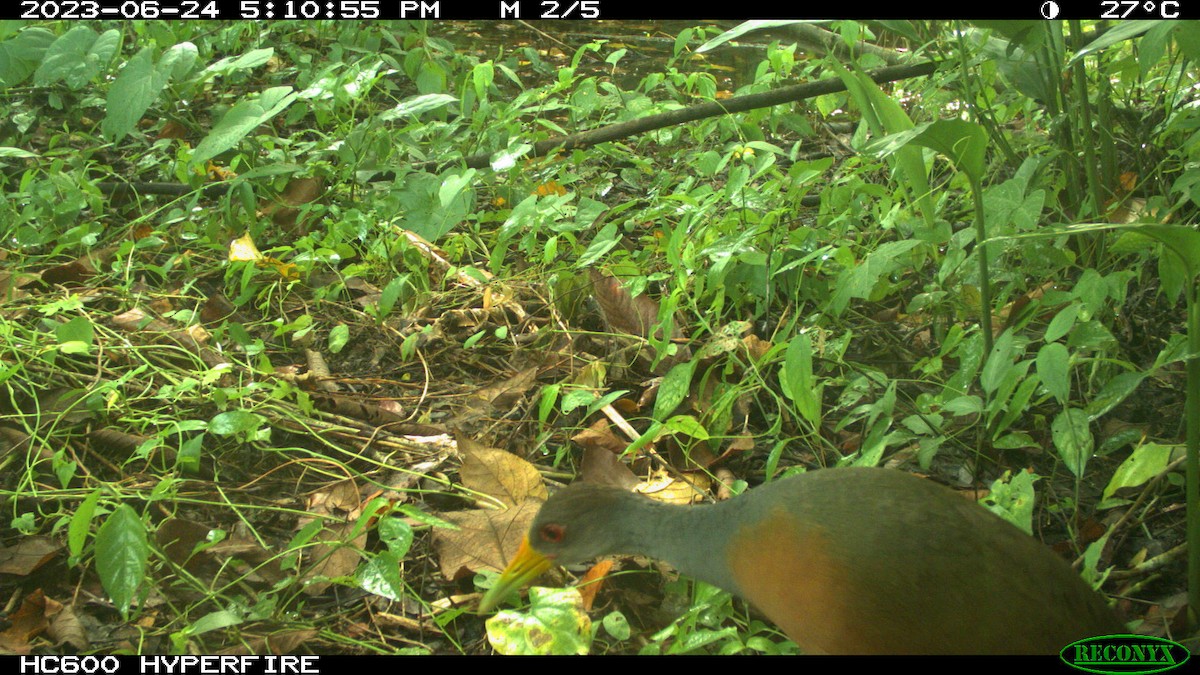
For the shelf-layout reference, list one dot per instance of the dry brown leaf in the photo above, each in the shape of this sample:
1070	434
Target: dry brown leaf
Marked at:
14	285
623	312
14	440
486	540
216	308
600	436
686	489
299	191
283	642
500	474
26	623
173	130
504	395
332	554
80	269
27	555
65	627
756	347
178	539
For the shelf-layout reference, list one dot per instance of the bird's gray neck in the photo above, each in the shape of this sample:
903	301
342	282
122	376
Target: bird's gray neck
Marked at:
692	539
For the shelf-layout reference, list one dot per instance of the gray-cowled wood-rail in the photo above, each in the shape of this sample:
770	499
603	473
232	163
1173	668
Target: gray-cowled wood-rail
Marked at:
851	560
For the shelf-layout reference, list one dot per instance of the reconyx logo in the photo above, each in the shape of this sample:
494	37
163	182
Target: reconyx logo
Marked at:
1124	654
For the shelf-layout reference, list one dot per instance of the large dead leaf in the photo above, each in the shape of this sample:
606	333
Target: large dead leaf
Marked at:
282	642
27	555
65	627
335	554
623	312
26	623
504	395
486	540
500	474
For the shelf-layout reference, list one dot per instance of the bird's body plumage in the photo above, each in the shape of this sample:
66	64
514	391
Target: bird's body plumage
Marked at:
850	560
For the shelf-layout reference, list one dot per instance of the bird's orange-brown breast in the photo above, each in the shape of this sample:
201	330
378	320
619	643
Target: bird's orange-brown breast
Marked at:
786	569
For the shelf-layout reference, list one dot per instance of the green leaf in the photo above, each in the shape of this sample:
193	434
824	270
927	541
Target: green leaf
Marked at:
21	56
338	337
1052	361
555	624
963	143
81	523
77	57
397	534
242	119
797	381
998	364
381	576
78	329
616	625
235	422
1073	439
604	241
744	28
687	425
673	389
1062	322
1120	32
1144	463
251	59
418	105
121	554
1113	392
133	92
1013	499
214	621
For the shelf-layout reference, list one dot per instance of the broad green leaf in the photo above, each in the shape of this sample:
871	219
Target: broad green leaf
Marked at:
1052	361
133	92
744	28
555	624
1144	463
242	119
1013	499
1113	392
21	55
674	388
1073	439
1121	31
235	422
251	59
418	105
397	534
797	381
381	575
1062	322
999	362
77	57
121	554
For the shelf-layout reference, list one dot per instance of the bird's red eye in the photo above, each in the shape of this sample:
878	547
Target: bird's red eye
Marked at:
552	533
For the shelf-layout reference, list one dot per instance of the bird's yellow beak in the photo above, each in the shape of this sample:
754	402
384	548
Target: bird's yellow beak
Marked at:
526	566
